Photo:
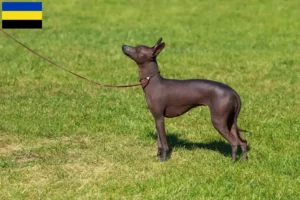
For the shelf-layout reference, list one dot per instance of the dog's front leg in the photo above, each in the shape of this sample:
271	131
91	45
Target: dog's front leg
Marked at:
163	147
159	146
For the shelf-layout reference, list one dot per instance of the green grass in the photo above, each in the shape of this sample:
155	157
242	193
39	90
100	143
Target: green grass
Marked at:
63	138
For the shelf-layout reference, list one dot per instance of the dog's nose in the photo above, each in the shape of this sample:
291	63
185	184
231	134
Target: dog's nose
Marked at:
125	48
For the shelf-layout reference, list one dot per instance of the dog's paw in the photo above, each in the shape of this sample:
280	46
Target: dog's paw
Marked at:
164	156
159	152
155	156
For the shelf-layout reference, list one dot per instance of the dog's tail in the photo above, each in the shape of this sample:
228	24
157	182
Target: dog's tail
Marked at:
236	117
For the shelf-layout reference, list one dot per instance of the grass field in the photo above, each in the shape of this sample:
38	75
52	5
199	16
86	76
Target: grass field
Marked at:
63	138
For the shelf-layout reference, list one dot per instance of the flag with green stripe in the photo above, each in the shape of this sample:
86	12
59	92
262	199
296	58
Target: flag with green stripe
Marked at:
22	15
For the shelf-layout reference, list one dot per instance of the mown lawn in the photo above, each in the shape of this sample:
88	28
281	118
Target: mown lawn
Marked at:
63	138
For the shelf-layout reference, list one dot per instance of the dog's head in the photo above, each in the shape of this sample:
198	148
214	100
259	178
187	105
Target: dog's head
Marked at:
142	54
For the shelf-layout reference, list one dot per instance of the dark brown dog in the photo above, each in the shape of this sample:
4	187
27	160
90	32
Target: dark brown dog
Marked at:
172	98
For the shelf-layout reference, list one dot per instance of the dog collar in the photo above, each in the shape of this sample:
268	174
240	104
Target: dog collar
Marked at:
144	84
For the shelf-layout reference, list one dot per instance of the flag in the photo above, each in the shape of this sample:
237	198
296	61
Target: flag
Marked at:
22	15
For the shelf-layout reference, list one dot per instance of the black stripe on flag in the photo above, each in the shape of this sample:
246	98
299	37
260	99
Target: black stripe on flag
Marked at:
22	24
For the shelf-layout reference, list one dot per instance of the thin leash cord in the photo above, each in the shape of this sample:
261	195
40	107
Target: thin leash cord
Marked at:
79	76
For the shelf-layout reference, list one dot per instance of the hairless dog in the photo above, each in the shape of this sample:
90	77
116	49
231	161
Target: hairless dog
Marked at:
172	98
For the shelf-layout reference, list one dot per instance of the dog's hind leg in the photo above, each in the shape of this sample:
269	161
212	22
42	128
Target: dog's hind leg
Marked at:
221	125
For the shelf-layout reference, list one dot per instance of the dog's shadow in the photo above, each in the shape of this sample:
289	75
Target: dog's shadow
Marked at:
175	142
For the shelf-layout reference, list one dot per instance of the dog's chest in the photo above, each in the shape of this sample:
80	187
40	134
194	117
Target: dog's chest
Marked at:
150	99
153	99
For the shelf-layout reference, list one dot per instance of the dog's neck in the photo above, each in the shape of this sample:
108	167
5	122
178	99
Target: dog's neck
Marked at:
148	69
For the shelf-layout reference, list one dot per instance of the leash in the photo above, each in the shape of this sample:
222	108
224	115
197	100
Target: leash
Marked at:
143	84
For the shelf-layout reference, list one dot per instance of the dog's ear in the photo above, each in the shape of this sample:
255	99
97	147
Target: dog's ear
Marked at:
158	49
158	42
